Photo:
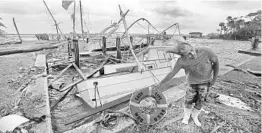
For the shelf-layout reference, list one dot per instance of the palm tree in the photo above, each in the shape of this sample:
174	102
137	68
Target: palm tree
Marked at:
239	24
221	24
229	18
225	29
230	23
2	25
255	19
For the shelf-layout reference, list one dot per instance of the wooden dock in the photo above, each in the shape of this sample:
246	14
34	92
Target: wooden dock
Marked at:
40	89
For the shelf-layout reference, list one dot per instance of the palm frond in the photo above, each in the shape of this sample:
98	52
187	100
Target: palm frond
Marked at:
2	32
2	25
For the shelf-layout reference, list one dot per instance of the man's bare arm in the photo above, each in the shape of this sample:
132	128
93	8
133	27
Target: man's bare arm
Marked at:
169	76
172	50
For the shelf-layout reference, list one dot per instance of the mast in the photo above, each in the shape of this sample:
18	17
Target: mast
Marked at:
128	38
81	17
17	31
86	28
74	15
178	29
56	25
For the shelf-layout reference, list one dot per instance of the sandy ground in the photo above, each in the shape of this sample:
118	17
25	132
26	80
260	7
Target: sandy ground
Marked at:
16	69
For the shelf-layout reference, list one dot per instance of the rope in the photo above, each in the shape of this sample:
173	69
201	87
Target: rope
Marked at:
148	27
174	31
141	25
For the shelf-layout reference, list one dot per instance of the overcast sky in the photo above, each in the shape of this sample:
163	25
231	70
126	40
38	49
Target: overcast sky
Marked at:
192	15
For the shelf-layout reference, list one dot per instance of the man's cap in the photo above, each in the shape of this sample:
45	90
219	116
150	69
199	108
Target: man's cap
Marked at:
175	40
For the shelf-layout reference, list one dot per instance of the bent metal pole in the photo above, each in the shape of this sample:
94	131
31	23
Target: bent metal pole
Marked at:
128	40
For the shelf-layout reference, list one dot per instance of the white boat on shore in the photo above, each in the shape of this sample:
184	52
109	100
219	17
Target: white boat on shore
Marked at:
157	64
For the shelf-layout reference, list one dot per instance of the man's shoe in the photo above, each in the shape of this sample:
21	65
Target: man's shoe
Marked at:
187	113
195	113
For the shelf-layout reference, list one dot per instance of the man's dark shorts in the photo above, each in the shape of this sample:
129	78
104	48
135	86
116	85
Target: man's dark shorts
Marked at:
197	94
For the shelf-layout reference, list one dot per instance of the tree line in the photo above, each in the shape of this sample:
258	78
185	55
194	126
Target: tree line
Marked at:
239	28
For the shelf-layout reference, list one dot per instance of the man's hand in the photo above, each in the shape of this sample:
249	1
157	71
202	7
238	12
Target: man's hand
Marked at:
157	86
215	67
212	82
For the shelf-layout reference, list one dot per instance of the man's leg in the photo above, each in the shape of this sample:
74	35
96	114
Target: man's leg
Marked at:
202	90
189	98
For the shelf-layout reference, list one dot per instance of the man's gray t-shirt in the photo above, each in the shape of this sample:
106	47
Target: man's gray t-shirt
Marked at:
198	70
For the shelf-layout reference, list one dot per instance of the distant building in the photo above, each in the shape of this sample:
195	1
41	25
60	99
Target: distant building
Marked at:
195	34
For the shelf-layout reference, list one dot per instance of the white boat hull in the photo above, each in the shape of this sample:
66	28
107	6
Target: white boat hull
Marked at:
157	65
114	87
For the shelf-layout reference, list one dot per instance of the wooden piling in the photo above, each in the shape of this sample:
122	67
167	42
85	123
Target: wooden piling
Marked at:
76	52
17	31
131	39
118	48
69	46
254	43
104	45
148	39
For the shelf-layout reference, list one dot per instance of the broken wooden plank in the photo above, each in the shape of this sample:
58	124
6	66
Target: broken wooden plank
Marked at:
59	75
100	109
79	71
87	76
241	70
60	98
256	73
16	51
79	81
17	31
254	53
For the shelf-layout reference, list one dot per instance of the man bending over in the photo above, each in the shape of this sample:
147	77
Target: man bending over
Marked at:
201	67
